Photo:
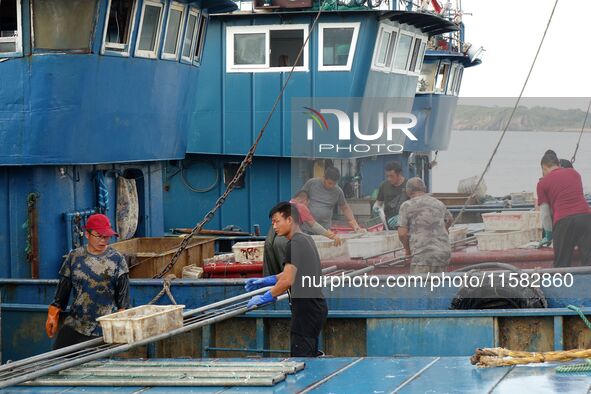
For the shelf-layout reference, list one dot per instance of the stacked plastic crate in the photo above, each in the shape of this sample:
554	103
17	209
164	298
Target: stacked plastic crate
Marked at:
509	229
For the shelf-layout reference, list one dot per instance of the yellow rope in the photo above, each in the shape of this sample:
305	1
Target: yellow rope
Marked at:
500	357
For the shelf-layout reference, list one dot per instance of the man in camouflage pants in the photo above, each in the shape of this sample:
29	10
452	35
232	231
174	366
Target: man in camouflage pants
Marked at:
98	275
423	229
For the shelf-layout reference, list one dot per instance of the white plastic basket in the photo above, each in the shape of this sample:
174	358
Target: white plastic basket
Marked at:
504	240
141	322
327	250
511	220
373	244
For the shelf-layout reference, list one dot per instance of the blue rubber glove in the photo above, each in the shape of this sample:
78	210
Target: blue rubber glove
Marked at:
393	222
546	240
261	299
257	283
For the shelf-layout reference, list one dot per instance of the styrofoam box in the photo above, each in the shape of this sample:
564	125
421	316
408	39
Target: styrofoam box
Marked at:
220	258
511	220
504	240
141	322
248	252
373	244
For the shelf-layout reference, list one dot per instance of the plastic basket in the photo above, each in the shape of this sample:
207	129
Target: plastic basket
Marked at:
141	322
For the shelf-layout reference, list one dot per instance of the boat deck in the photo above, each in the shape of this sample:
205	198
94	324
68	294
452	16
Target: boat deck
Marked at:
383	375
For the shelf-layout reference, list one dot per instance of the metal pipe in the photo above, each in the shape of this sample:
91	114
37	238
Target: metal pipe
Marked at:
52	354
239	297
118	349
229	381
291	366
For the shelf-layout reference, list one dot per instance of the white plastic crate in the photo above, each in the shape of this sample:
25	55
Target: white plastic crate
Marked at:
373	244
248	252
141	322
511	220
327	248
504	240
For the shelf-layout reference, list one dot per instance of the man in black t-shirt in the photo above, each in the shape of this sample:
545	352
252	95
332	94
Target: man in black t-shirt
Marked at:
302	263
391	194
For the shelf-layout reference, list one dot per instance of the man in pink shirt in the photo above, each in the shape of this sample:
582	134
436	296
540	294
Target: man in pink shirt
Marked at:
566	216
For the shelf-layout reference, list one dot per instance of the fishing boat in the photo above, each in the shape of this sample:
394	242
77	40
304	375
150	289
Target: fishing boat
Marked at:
161	100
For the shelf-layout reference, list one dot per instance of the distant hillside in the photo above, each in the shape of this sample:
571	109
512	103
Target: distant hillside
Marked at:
470	117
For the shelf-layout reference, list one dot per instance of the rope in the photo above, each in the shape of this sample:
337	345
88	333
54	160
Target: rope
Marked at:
244	164
572	160
498	357
167	281
509	120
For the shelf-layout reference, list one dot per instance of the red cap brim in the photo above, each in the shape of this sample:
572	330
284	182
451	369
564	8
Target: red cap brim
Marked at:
105	232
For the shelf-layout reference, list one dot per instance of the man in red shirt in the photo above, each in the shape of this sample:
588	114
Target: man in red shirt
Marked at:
560	192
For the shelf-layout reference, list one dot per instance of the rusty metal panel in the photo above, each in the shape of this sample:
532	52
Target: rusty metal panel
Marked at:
278	335
234	333
532	333
576	333
345	338
184	345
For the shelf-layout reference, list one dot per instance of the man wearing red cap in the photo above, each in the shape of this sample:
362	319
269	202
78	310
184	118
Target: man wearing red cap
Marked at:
99	278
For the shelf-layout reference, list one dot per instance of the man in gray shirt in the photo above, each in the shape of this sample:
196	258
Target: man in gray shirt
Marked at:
324	194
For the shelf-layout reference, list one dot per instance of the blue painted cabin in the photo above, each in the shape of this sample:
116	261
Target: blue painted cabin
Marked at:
353	59
113	90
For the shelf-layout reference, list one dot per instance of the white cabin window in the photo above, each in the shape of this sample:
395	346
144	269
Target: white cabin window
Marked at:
453	73
415	55
421	56
10	28
266	48
200	39
385	48
402	52
172	43
148	39
442	77
119	26
426	82
190	34
60	25
336	46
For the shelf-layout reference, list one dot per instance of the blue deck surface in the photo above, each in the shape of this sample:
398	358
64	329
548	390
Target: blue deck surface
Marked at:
384	375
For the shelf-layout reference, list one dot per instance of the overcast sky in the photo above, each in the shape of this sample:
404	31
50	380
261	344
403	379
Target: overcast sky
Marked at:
511	30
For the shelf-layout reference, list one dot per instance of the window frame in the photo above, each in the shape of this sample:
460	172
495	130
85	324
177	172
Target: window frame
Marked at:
18	40
459	76
106	50
199	39
174	5
264	29
432	89
197	14
143	53
321	27
451	80
374	61
442	63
